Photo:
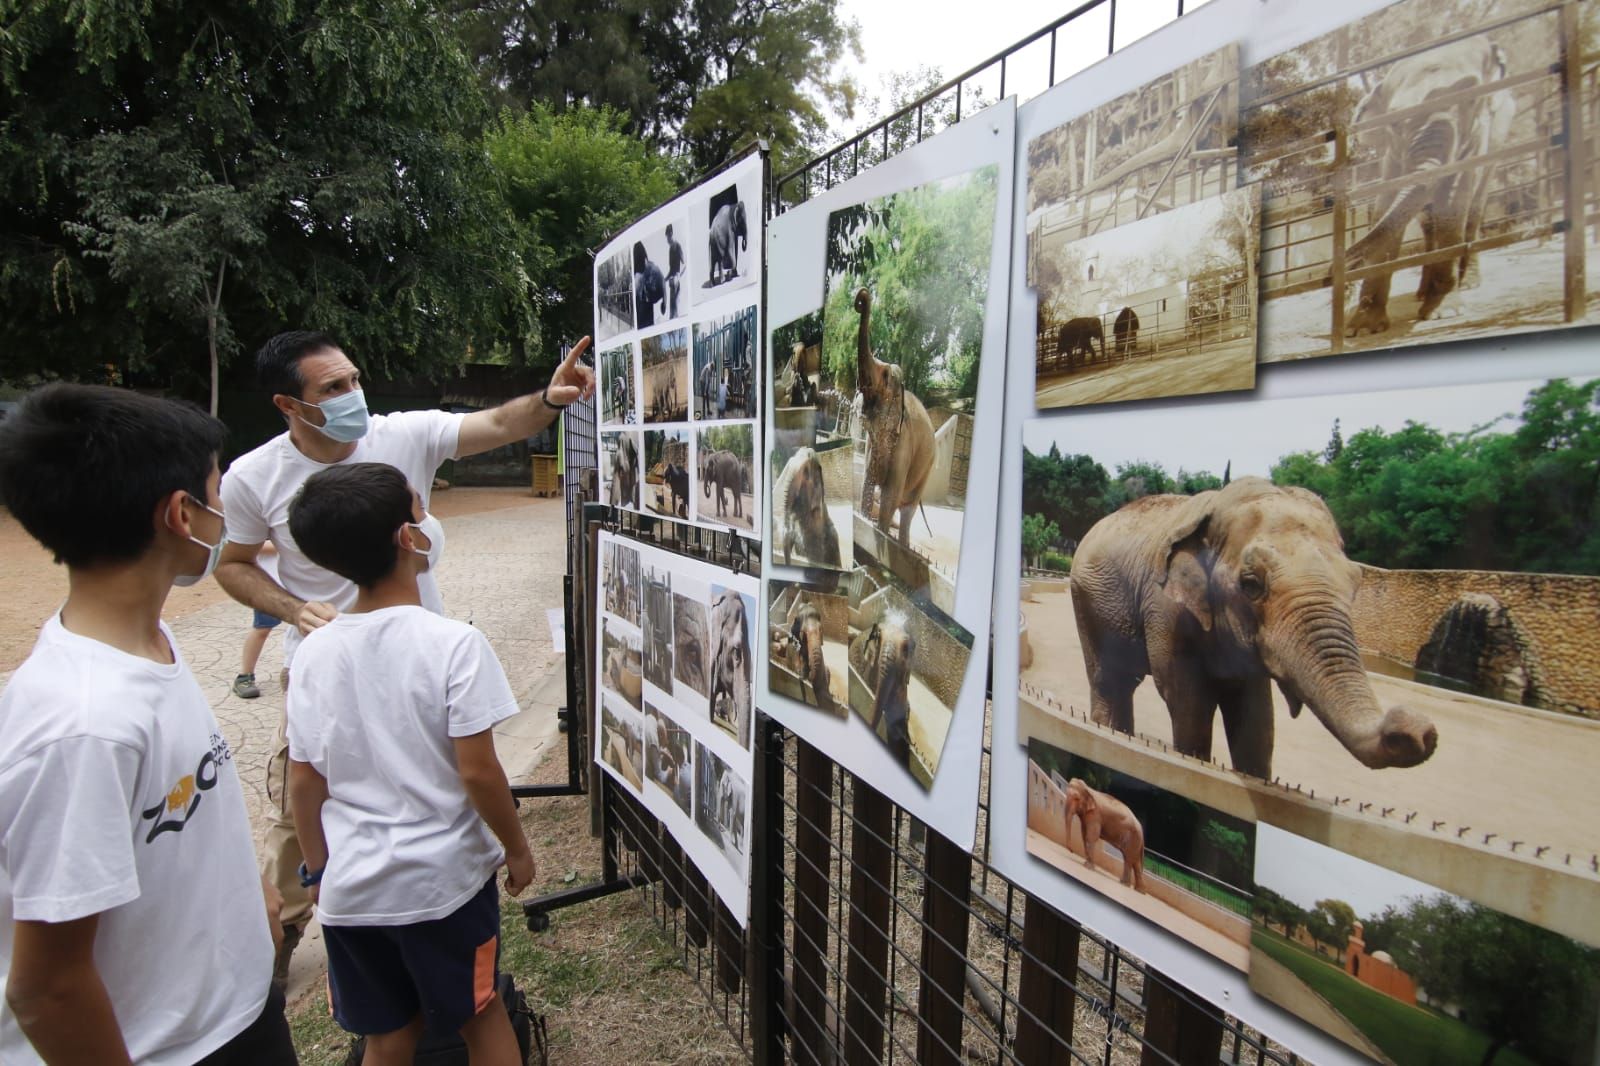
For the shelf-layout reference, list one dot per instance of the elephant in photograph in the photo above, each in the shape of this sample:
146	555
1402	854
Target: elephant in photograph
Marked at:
623	677
625	473
730	660
1080	335
729	236
807	524
805	629
1450	208
724	471
888	651
899	433
677	479
1126	331
1107	818
1217	596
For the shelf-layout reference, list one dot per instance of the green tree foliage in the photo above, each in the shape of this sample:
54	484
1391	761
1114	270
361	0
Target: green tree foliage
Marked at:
1330	921
188	169
1038	533
734	439
1069	490
1276	910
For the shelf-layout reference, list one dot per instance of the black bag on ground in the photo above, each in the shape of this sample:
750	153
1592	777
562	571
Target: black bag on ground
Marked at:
448	1049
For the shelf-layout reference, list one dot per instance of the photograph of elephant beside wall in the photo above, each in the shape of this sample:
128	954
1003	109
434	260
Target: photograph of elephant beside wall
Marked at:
618	387
1179	863
1161	307
722	806
907	662
724	466
666	472
661	276
619	465
1364	245
808	645
669	758
1407	973
621	741
907	278
731	662
665	388
725	379
621	663
613	295
1419	568
726	231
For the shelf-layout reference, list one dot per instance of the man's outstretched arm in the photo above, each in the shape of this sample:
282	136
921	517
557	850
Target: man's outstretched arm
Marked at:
521	418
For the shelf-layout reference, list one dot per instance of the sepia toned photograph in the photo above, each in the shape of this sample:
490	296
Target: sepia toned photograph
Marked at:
721	806
666	472
1411	168
725	367
727	237
613	295
617	387
658	626
731	662
1409	974
666	376
669	758
622	742
1181	864
660	270
621	581
619	461
620	662
1161	307
689	646
809	651
724	465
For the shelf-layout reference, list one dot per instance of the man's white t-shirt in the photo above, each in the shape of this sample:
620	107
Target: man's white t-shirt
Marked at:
260	485
119	797
374	704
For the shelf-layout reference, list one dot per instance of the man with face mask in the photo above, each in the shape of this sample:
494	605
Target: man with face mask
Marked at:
317	390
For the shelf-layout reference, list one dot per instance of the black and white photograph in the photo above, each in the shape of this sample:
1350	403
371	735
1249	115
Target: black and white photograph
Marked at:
726	230
621	581
613	296
721	805
618	387
669	757
1161	307
620	661
1411	163
660	276
724	464
658	624
725	367
665	390
666	472
621	741
808	631
690	641
731	662
619	464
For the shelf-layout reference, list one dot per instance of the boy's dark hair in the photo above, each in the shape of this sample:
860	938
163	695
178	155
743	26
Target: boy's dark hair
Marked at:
278	361
345	518
83	467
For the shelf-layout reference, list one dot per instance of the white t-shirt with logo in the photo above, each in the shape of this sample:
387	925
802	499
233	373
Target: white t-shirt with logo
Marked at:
375	701
260	485
119	797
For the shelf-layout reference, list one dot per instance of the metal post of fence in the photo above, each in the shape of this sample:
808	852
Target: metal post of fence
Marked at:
871	866
765	970
812	845
697	913
1176	1029
1046	998
942	989
730	950
1341	157
1573	206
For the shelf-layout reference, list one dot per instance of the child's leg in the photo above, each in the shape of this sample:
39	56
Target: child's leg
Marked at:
254	641
397	1048
489	1039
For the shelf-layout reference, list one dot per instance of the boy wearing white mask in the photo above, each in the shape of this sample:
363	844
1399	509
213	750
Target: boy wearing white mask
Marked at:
317	390
397	794
133	924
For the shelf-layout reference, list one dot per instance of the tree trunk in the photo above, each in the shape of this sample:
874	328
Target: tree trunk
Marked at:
213	307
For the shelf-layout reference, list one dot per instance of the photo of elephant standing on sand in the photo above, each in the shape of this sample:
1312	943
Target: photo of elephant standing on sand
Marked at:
725	237
727	493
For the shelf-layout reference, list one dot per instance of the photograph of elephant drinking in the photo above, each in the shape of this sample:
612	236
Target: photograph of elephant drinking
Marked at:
1179	863
725	367
1415	177
724	466
808	654
812	453
666	472
1417	568
1161	307
907	279
721	806
666	376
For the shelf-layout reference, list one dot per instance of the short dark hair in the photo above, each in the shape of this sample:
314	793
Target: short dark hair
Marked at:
84	466
278	361
344	519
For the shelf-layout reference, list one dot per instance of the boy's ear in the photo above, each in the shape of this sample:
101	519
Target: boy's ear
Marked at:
170	514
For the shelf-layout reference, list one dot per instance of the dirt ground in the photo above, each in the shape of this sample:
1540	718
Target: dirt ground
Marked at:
1225	367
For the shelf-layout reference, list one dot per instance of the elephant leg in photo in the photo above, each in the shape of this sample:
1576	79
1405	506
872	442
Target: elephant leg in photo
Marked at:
1247	722
1439	279
1114	667
1191	699
1091	840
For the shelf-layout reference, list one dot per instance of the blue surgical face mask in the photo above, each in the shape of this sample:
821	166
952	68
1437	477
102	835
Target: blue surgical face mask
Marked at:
185	580
344	418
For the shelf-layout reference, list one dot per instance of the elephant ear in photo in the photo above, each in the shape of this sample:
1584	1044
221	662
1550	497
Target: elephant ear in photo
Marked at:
1186	579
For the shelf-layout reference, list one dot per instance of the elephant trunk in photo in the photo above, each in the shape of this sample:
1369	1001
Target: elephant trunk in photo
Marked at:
900	444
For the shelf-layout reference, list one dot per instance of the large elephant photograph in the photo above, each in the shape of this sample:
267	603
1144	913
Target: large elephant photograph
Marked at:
1408	973
907	276
1411	165
725	231
726	475
1185	866
1382	601
1165	306
808	633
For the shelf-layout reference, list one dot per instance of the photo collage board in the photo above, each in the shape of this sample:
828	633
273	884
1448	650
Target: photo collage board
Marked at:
677	337
887	300
675	722
1297	676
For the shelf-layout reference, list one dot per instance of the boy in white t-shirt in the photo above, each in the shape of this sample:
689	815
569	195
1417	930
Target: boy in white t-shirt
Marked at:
393	777
133	924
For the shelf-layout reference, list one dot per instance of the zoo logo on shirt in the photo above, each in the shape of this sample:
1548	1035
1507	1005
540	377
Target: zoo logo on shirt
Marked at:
175	808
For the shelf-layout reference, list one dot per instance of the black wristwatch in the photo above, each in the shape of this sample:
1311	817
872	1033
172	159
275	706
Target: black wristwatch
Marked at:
307	879
544	397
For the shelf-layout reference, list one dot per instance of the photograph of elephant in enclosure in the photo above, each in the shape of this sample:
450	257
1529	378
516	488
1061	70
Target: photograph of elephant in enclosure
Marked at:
907	663
731	662
1417	185
617	387
725	367
658	627
621	742
1179	863
1162	307
721	806
1409	565
621	581
724	467
620	463
811	505
689	644
613	295
666	376
669	758
660	269
666	472
808	653
804	407
1409	974
727	237
620	661
907	284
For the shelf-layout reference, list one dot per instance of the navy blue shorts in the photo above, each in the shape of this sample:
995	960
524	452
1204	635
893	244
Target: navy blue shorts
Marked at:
262	619
382	976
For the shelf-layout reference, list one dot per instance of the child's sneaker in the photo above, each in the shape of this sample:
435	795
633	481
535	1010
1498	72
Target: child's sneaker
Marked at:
244	686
